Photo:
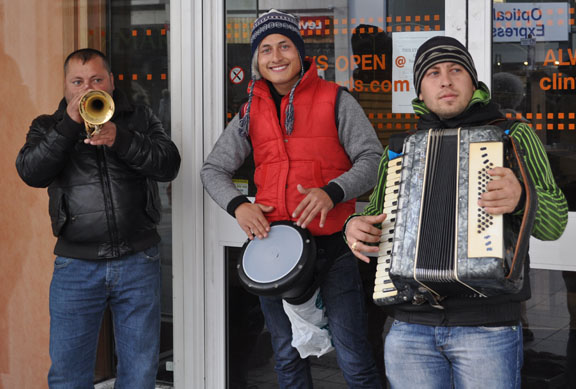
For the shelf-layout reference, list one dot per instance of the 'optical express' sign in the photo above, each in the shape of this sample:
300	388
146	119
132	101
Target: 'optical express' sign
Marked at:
514	22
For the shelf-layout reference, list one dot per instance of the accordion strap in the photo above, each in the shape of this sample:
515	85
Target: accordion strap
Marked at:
528	216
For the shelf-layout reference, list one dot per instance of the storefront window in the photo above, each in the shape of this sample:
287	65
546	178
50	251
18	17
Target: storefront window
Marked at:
367	47
534	79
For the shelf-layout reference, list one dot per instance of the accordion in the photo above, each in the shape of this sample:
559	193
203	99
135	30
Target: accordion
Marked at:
436	241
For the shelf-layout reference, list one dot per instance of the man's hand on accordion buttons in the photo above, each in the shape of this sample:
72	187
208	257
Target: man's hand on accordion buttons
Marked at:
504	192
360	230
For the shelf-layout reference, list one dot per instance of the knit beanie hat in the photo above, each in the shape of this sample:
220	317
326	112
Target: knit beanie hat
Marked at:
273	22
442	49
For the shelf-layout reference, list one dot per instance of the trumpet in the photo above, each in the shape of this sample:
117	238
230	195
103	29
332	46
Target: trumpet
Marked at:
96	108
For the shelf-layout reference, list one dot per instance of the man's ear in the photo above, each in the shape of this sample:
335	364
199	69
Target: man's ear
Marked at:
420	97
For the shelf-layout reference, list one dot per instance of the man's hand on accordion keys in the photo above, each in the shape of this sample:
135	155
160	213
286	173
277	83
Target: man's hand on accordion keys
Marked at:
362	235
504	192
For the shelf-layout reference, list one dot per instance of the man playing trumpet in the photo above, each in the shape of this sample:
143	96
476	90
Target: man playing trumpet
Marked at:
104	208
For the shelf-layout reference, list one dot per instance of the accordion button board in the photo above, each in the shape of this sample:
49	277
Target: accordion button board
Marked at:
483	228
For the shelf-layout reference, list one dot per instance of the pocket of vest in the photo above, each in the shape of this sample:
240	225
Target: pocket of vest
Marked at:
306	173
266	180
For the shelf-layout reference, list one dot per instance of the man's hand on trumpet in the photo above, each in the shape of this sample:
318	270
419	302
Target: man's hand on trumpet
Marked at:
360	231
72	107
106	136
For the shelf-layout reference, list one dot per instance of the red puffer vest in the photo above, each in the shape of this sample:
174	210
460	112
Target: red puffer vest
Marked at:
311	156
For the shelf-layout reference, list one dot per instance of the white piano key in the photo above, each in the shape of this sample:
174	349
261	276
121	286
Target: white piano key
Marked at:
382	294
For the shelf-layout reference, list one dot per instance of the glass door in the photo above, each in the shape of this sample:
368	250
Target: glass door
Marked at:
533	79
367	47
138	42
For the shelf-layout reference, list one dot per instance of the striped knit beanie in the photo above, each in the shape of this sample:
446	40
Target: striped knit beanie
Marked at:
273	22
442	49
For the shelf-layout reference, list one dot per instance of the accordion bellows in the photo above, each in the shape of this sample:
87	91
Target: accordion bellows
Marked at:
436	241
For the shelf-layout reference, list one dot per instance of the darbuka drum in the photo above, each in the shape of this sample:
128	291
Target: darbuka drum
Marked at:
281	264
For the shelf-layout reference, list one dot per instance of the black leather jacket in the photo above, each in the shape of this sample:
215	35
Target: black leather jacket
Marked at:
104	201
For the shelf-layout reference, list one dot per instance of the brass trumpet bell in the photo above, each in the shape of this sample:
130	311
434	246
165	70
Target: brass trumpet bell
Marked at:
96	108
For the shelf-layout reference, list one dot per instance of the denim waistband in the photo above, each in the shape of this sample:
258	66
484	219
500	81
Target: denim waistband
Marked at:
475	315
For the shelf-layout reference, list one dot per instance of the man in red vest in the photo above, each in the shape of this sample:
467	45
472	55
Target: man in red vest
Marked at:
314	152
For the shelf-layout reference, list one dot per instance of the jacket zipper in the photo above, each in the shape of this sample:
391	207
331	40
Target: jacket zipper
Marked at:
108	204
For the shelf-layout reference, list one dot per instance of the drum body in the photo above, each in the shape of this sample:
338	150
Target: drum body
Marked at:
281	264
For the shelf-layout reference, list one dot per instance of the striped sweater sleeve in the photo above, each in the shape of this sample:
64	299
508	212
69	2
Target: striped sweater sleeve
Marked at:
376	203
552	210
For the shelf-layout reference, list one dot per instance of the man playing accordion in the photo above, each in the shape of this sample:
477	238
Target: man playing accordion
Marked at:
463	341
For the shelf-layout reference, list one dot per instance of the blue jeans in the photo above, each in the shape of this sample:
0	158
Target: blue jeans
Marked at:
428	357
79	294
343	298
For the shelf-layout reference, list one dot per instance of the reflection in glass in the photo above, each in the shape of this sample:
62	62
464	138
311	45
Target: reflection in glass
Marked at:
549	333
533	80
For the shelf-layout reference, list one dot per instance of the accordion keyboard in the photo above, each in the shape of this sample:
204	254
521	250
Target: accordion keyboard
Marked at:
383	285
